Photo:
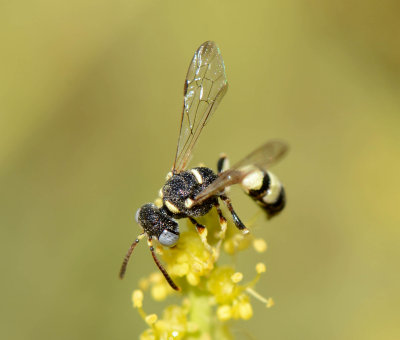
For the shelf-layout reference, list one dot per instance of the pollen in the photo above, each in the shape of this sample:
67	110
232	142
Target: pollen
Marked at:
236	243
245	310
197	267
270	303
221	286
224	312
193	279
260	268
180	269
137	298
237	277
151	319
156	277
160	291
259	245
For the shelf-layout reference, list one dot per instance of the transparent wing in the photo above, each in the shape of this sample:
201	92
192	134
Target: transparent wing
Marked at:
261	158
205	86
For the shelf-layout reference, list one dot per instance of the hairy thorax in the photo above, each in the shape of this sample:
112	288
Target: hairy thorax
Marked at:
182	188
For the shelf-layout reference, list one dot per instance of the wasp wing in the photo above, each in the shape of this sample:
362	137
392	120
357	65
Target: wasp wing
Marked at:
261	158
205	86
265	155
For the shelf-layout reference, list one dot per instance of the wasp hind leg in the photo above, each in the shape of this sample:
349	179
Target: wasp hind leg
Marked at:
222	222
224	225
223	165
238	223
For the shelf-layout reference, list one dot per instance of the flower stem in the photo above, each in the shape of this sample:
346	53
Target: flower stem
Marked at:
202	313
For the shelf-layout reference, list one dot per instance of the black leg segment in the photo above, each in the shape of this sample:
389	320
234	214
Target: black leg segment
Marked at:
239	224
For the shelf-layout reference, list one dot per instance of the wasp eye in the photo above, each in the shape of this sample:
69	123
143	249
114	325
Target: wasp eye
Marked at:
168	238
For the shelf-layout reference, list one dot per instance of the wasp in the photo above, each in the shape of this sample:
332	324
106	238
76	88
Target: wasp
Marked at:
190	193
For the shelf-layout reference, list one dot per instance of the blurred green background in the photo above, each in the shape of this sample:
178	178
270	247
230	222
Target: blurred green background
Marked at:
90	98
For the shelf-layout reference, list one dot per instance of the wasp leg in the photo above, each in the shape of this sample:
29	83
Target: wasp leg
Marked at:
202	230
159	265
239	224
224	225
128	255
222	222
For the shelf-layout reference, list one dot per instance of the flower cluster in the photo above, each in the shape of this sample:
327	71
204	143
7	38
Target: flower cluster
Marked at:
212	293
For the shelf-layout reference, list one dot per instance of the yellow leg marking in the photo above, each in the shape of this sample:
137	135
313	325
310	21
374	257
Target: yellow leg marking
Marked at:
203	237
221	235
224	227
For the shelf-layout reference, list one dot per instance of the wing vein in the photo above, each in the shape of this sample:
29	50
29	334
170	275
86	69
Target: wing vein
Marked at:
204	87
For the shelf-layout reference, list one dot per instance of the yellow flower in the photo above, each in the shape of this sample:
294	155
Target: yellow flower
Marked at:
212	293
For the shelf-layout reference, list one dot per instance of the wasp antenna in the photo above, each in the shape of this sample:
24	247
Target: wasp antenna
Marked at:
162	269
128	255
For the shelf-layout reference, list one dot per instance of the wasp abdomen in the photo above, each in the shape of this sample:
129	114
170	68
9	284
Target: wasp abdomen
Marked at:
266	189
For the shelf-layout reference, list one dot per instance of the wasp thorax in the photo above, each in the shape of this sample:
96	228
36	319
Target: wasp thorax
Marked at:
181	189
156	223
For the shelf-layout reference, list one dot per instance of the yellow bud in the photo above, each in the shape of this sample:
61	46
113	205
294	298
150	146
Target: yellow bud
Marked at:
270	303
156	277
209	265
163	326
192	279
241	241
159	291
148	334
224	312
245	310
237	277
197	267
183	257
229	247
151	319
137	298
220	285
259	245
180	269
260	268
